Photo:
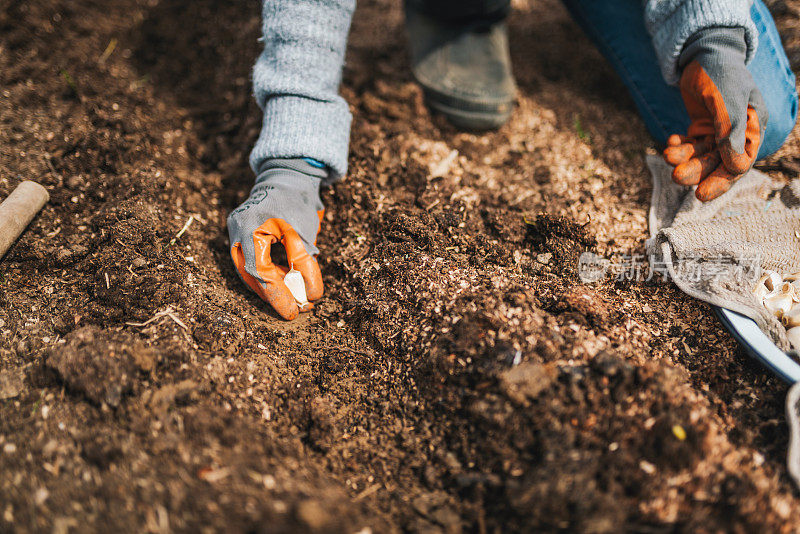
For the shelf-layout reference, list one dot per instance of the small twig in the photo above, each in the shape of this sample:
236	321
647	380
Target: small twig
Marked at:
182	230
112	44
155	317
166	313
432	204
178	321
367	492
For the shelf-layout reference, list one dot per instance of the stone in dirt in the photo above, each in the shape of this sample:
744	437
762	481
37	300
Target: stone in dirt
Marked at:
11	383
527	380
171	393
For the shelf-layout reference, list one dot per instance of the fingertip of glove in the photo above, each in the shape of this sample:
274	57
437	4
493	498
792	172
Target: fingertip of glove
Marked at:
675	155
281	301
712	187
314	291
237	256
687	173
675	140
735	162
312	276
291	315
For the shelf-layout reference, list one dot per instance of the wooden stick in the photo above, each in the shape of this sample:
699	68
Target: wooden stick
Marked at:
18	210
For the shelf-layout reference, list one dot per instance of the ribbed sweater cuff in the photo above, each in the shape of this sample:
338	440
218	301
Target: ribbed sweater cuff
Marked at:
299	127
671	33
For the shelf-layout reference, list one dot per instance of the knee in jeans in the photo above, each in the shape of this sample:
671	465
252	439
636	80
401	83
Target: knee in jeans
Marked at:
780	125
792	115
785	124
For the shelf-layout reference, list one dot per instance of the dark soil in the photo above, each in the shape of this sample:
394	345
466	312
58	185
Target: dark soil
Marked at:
457	376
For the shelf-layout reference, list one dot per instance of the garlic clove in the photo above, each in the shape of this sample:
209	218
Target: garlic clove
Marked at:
794	337
796	297
297	286
778	303
761	292
787	288
768	282
791	318
772	280
796	285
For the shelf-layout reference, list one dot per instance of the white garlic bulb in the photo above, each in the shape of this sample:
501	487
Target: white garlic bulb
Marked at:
796	286
787	288
791	318
781	297
297	286
767	284
761	292
778	303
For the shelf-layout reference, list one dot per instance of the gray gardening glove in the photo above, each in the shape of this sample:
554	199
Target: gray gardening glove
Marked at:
728	113
284	206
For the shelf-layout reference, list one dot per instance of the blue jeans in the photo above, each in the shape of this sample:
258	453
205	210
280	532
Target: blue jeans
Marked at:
617	28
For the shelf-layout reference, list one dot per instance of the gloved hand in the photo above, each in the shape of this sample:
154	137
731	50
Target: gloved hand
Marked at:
284	206
728	113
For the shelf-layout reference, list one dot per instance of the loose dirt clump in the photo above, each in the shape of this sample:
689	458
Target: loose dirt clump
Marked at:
457	376
94	364
563	239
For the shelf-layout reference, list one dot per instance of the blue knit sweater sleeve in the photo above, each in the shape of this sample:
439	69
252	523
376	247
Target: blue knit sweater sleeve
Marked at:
672	22
296	82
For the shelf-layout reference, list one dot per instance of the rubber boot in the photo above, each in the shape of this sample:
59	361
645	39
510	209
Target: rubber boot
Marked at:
464	68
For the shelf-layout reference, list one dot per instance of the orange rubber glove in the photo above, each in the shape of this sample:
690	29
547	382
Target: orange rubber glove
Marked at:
284	207
728	114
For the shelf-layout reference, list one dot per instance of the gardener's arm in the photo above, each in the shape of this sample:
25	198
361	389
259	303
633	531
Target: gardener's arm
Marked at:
303	144
704	45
